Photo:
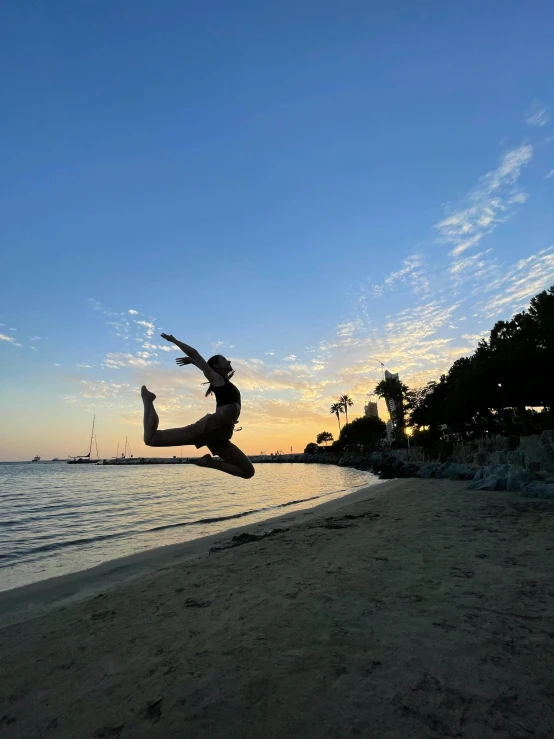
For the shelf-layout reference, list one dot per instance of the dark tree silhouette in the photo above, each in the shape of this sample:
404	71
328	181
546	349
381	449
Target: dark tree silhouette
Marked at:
346	402
336	409
362	434
324	437
511	369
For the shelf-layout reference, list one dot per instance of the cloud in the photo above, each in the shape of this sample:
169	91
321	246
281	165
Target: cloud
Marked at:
537	115
160	347
34	348
290	358
121	328
489	203
220	344
36	338
12	329
116	360
549	175
121	323
412	274
517	284
9	339
148	325
97	306
80	365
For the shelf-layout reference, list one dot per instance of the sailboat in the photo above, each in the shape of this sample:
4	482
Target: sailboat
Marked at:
123	457
85	458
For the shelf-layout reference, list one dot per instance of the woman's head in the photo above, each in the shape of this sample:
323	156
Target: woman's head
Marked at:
221	365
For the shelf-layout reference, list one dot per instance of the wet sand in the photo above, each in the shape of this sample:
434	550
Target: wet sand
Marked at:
416	608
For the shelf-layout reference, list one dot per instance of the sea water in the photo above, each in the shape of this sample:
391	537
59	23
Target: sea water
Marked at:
59	518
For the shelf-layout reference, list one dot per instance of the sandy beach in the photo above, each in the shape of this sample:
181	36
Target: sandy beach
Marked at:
416	608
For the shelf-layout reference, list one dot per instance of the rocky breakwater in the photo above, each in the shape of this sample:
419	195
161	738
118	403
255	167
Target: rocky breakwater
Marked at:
387	465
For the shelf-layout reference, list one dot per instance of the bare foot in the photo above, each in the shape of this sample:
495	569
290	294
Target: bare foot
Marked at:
202	461
146	394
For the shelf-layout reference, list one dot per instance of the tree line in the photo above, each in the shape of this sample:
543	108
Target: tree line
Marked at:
492	389
361	434
489	391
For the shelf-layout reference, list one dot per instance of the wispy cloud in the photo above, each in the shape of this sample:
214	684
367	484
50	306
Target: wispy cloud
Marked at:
9	339
115	360
132	312
412	274
148	325
491	202
517	284
537	115
549	175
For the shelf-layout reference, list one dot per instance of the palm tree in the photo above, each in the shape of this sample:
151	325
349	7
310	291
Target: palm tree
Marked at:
336	408
345	401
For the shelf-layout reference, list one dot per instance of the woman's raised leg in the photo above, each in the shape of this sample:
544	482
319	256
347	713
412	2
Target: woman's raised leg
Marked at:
151	418
167	437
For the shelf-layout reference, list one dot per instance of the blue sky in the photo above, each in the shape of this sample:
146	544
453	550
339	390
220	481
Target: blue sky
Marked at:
302	186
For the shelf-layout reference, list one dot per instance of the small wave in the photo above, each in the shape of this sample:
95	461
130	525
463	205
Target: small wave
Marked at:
203	520
32	552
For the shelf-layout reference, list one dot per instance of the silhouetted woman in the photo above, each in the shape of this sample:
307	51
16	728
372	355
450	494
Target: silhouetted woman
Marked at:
214	430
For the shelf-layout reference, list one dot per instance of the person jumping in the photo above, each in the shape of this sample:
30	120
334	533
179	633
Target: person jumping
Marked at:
214	430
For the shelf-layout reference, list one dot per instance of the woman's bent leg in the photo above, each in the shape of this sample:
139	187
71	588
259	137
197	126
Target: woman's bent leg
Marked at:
168	437
231	460
178	437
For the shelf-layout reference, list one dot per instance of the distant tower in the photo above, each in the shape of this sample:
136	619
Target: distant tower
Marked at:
391	405
394	405
371	409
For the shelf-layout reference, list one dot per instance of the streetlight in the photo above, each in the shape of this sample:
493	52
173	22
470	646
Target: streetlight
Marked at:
382	366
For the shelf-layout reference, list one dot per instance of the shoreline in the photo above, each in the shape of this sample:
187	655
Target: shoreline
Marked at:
37	598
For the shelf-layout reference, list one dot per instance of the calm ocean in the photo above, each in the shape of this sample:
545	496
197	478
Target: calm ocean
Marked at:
59	518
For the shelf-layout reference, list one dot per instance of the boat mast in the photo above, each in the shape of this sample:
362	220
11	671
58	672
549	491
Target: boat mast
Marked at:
91	435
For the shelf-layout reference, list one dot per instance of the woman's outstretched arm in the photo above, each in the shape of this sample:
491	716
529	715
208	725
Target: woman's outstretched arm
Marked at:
185	348
197	359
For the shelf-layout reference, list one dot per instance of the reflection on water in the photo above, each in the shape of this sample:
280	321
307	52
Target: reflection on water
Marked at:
60	518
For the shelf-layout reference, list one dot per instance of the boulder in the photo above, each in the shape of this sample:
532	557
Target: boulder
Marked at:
458	471
410	470
518	478
546	443
429	469
490	482
538	489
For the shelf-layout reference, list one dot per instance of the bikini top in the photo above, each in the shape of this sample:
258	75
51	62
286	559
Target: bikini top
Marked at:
226	394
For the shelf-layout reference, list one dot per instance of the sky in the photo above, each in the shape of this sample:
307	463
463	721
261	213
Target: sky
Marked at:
309	188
